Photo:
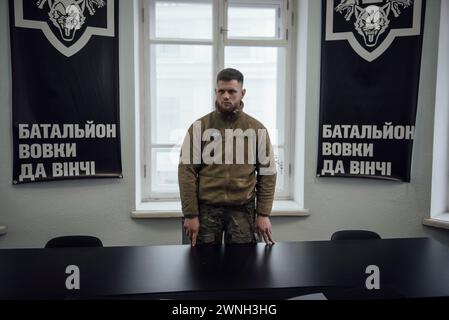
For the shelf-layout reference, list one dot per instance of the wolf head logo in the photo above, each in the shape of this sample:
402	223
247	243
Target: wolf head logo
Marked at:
371	22
68	15
67	24
370	26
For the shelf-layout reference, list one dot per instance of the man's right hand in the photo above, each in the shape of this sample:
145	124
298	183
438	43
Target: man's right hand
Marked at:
192	227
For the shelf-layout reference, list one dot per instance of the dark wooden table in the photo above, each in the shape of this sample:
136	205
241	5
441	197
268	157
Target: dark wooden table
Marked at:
411	268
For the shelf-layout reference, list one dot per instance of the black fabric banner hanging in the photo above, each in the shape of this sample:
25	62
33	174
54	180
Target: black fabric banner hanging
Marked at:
370	68
65	89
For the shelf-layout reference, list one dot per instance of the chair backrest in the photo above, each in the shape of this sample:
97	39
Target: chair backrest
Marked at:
354	235
74	241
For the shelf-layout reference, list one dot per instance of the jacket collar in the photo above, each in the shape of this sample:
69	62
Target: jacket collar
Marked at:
232	116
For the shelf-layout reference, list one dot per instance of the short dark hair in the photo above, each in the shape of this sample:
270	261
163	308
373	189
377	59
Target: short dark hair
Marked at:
230	74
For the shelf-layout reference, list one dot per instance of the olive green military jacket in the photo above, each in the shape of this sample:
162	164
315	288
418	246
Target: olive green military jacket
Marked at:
226	160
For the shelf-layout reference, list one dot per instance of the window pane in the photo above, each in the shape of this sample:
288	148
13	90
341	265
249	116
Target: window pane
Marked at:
164	170
183	20
182	91
264	71
252	22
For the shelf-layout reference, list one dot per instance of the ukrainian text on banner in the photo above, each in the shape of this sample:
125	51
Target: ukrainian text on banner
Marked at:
65	89
370	68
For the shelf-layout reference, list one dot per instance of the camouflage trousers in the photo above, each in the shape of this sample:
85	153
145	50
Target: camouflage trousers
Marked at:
237	223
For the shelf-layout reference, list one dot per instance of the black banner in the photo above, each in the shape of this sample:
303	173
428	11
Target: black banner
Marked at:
65	89
370	68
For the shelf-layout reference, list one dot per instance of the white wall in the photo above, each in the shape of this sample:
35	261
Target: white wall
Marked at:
440	188
36	212
390	208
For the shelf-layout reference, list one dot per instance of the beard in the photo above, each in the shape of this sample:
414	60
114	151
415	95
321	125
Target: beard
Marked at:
227	110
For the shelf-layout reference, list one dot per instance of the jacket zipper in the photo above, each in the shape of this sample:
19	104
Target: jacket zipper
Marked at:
228	124
227	183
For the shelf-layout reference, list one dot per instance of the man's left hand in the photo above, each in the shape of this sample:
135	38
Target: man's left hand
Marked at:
263	228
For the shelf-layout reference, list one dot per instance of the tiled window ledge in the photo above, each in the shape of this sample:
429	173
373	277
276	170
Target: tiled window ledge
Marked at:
439	221
3	229
156	210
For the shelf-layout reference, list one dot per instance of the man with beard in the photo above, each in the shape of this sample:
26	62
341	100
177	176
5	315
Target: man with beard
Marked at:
229	192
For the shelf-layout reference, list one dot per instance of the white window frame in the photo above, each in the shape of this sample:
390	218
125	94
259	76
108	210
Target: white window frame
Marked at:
286	26
439	215
148	38
281	24
148	206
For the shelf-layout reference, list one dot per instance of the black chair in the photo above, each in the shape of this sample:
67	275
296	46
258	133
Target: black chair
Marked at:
354	235
74	241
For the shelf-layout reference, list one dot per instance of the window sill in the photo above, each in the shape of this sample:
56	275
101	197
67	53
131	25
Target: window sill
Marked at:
172	209
439	221
3	229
